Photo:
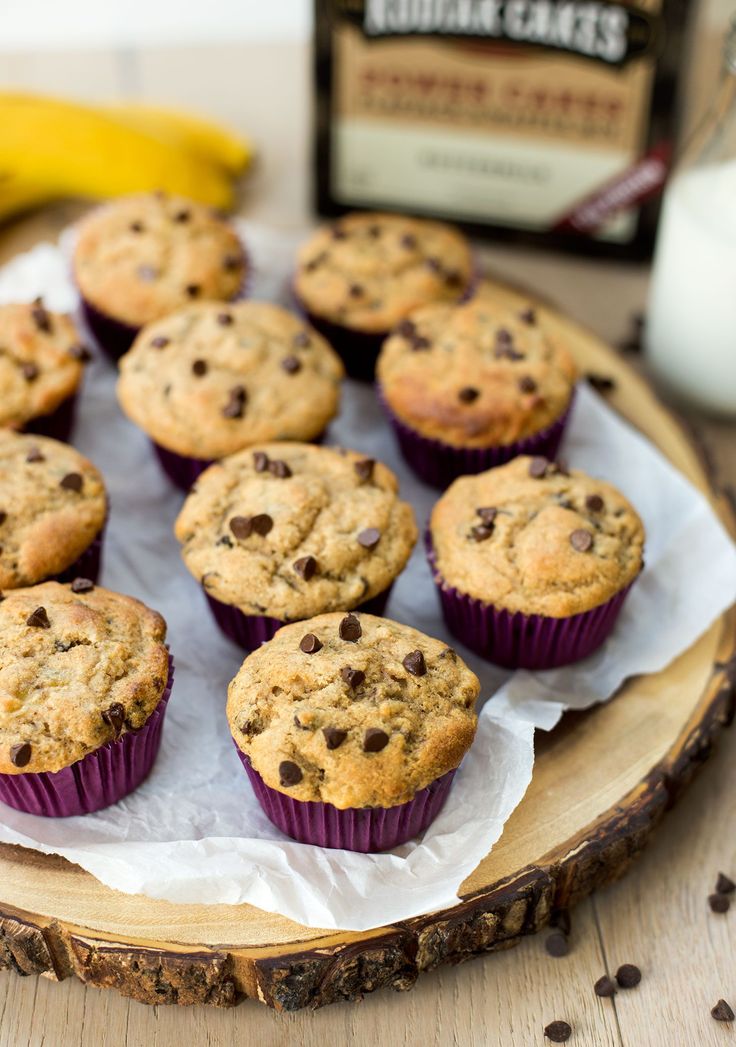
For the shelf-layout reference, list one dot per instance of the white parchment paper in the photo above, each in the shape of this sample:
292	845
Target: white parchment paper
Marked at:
193	832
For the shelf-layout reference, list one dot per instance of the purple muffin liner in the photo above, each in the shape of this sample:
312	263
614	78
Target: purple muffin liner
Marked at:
98	780
438	463
58	424
524	641
250	630
364	829
87	565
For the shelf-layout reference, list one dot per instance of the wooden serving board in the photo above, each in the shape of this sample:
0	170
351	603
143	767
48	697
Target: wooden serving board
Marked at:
602	782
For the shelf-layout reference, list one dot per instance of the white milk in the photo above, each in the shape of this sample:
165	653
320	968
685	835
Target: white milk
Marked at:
691	321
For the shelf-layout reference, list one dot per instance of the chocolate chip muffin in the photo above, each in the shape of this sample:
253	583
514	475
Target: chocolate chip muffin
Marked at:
141	257
210	380
533	561
470	386
53	506
359	277
289	530
41	368
352	721
84	676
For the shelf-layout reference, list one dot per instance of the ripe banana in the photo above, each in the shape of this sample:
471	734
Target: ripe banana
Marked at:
16	197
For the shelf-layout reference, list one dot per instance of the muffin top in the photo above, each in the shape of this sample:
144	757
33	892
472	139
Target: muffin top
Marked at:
211	379
52	505
353	710
140	257
474	375
79	666
290	530
41	361
534	537
367	271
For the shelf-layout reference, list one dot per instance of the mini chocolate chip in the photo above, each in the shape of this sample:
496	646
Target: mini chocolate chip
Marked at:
605	986
301	340
72	482
406	329
558	1032
334	737
291	364
40	317
419	343
601	383
289	773
480	532
82	585
80	352
114	717
350	628
339	234
527	384
30	371
260	461
509	353
193	290
355	290
364	468
722	1012
434	265
136	227
374	740
468	395
724	884
594	502
538	468
280	469
628	976
409	241
581	540
454	278
415	664
719	903
224	319
374	231
199	368
147	273
226	540
35	455
261	523
3	516
160	341
352	677
310	644
528	316
231	262
182	216
556	944
369	538
306	566
241	526
487	514
235	406
39	619
20	755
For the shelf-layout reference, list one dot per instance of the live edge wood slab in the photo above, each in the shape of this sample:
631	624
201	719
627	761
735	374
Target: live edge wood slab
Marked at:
602	782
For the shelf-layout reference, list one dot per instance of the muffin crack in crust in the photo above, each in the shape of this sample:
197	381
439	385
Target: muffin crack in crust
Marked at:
77	670
354	726
556	543
243	530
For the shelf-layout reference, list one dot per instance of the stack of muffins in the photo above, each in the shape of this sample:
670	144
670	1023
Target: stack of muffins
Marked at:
350	726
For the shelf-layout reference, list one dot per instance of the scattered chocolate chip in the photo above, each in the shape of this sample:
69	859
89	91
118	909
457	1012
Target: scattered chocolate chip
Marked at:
364	468
528	316
231	262
136	227
310	644
80	352
449	652
30	371
160	341
352	677
192	290
594	502
72	482
509	353
581	540
487	514
316	262
434	265
415	664
199	367
147	273
605	986
39	619
182	216
355	290
82	585
241	526
224	319
538	468
261	523
334	737
20	755
601	383
558	1032
419	343
719	903
114	717
480	532
226	540
556	944
527	384
35	455
724	884
468	395
722	1012
235	406
306	566
291	364
628	976
409	241
301	340
369	538
338	233
3	516
279	469
260	461
407	328
374	740
40	317
454	278
374	231
289	773
350	628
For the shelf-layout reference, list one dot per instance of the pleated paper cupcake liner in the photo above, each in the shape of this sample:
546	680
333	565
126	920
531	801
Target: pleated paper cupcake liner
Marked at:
249	631
59	424
364	829
524	641
98	780
438	463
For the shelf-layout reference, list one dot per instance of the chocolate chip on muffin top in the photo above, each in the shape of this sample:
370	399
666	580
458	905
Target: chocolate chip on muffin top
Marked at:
140	257
80	666
347	719
367	271
52	506
211	379
288	530
41	361
535	537
475	375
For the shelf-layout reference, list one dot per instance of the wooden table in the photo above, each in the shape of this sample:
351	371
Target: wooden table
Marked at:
657	917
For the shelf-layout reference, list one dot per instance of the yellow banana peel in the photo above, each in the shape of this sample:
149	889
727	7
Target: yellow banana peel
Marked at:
17	197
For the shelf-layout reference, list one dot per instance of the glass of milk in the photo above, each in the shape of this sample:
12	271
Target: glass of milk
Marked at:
690	335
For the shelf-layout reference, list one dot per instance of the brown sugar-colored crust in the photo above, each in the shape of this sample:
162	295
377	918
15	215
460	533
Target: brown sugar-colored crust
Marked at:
41	361
474	375
532	537
140	257
290	530
211	379
52	506
77	671
403	719
367	271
